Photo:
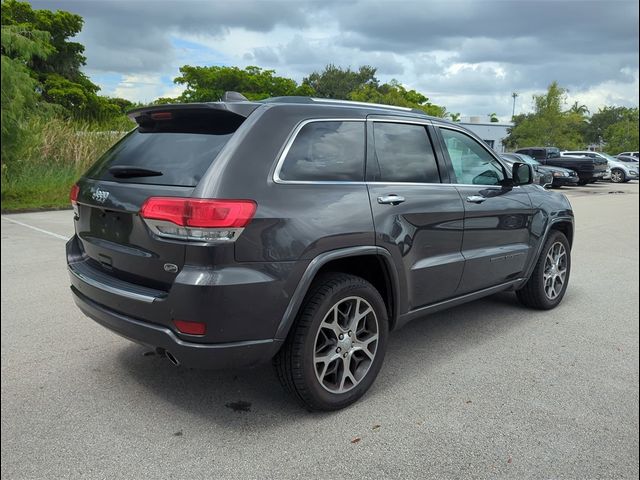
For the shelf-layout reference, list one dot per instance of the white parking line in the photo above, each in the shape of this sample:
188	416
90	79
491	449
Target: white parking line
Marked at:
61	237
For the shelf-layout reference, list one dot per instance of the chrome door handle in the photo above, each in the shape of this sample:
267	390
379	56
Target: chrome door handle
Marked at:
476	199
390	199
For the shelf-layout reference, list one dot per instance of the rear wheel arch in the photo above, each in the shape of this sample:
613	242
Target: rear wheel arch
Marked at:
374	264
374	268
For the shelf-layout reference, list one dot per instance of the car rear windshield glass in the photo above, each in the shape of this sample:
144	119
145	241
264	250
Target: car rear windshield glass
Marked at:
326	151
160	158
403	153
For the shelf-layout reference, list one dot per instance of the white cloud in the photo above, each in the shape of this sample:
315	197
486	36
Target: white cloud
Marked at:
623	94
145	88
466	55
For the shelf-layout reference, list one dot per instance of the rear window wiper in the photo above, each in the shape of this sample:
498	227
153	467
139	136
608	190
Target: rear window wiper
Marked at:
129	171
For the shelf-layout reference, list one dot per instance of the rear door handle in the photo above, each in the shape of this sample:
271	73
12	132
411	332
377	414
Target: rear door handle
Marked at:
392	199
476	199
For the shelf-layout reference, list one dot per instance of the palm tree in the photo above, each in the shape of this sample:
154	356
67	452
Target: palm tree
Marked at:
493	118
579	109
455	117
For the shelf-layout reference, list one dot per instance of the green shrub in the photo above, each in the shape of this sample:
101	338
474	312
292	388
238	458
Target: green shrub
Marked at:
53	153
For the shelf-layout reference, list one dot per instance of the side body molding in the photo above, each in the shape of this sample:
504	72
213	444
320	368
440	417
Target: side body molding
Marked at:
314	267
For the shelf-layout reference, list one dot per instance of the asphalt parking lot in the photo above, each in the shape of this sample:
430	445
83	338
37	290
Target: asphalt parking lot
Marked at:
485	390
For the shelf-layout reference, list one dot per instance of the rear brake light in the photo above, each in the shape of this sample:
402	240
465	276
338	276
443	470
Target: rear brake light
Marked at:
190	328
197	219
73	194
161	116
187	212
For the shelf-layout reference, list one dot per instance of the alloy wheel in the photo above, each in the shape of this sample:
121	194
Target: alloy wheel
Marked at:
345	344
617	176
555	270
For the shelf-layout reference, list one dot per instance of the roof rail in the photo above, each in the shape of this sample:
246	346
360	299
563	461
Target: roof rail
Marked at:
346	103
361	104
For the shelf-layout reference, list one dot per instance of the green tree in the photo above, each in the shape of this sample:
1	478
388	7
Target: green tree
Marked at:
623	135
19	97
603	119
165	100
56	67
579	109
393	93
338	83
493	118
207	84
548	125
455	117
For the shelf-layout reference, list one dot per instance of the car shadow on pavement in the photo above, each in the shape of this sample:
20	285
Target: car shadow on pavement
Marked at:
231	398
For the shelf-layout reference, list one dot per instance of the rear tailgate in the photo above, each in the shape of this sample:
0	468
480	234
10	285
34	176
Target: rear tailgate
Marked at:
165	156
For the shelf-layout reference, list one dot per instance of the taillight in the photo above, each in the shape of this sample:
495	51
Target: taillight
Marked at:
197	219
73	196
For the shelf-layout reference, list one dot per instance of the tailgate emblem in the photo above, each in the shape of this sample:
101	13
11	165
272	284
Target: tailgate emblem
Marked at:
100	195
171	268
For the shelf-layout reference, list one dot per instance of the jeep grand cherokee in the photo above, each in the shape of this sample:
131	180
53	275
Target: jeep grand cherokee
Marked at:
302	230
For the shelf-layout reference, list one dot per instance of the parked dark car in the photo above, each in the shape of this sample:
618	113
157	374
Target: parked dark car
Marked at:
227	234
543	179
555	177
589	170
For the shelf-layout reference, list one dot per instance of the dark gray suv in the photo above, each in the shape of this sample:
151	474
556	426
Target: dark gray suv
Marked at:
303	230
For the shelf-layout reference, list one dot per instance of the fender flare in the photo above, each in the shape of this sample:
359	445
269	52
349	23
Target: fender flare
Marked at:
548	229
314	267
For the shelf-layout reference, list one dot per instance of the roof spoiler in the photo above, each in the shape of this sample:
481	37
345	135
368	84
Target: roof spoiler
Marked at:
234	107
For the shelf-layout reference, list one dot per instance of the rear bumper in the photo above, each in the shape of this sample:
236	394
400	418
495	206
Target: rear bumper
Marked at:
189	354
590	176
242	305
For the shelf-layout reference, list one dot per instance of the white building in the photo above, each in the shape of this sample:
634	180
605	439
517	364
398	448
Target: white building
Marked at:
491	133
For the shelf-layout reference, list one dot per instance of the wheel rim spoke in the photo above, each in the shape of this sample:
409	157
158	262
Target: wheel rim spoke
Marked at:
555	270
345	344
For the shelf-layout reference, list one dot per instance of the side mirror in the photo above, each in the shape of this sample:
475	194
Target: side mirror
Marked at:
522	174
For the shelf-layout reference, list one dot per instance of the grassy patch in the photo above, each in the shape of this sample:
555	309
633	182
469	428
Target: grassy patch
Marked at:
53	156
38	187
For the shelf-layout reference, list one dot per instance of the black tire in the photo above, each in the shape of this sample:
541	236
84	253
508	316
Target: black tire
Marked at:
618	176
296	365
533	294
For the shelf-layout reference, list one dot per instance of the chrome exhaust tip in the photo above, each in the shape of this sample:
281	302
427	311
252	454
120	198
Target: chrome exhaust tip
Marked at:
171	358
164	353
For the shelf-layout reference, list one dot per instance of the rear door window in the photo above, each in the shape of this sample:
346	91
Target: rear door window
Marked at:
403	153
174	152
326	151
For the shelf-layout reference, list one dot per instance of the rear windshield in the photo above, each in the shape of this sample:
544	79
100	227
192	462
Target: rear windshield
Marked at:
160	158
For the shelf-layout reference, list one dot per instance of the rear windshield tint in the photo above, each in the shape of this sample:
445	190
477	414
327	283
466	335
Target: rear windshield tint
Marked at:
174	157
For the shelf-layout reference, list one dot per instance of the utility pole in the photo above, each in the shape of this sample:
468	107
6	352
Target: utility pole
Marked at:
514	95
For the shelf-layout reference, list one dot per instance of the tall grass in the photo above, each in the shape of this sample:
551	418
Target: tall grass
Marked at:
53	154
